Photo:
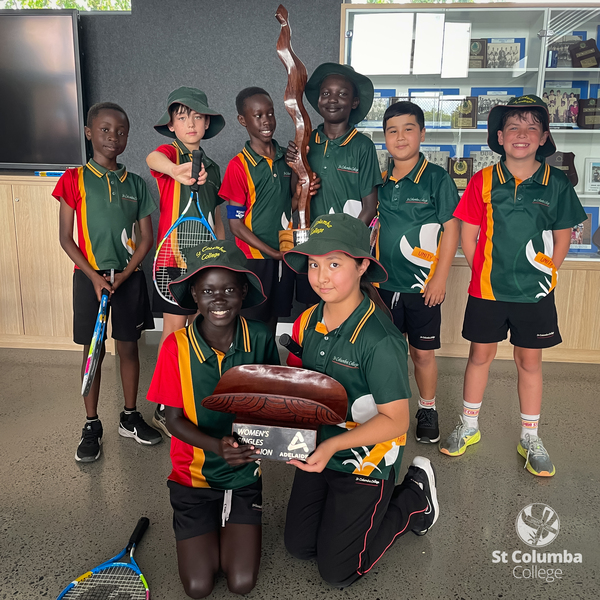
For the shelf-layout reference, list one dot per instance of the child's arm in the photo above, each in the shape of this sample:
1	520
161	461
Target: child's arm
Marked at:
562	242
66	221
391	422
435	290
239	229
468	239
147	238
157	161
227	448
369	207
219	227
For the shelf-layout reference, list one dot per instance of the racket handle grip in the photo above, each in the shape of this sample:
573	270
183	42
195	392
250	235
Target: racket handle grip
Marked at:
289	344
197	156
138	532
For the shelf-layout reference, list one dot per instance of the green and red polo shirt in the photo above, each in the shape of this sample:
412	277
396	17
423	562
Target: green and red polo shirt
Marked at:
187	371
368	356
263	186
513	256
348	168
412	212
107	205
174	196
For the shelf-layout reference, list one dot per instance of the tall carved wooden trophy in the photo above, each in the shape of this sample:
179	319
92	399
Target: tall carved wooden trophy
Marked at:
297	78
278	409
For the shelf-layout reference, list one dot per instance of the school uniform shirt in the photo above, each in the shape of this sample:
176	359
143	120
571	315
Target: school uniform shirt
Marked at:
174	196
187	371
513	256
107	205
262	185
412	211
348	168
368	356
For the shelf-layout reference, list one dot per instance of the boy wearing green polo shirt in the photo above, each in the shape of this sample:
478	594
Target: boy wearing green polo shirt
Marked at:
107	202
257	187
416	243
517	219
187	121
215	485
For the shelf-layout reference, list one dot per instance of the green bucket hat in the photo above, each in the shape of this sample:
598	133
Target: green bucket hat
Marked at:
338	232
225	255
525	103
196	100
363	84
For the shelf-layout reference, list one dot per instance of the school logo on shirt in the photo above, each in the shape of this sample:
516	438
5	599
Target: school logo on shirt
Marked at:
287	173
347	169
417	201
129	197
541	201
345	362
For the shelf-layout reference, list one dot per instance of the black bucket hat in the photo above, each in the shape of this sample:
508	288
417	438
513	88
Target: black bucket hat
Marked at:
196	100
223	254
338	232
363	85
525	103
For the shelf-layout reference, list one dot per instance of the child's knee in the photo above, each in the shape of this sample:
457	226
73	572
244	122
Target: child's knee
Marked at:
482	354
297	549
336	576
197	587
422	358
241	582
127	350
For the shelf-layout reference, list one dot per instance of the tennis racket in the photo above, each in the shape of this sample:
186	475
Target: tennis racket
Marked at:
170	260
95	346
113	579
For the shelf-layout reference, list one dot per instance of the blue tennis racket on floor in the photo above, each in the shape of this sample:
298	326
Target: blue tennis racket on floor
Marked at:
114	579
170	260
95	345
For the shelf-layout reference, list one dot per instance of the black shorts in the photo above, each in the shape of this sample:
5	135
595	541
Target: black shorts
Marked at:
160	305
278	285
197	511
129	309
531	325
412	316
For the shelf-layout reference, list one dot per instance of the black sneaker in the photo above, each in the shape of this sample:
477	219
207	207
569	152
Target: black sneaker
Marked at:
159	420
422	473
427	431
132	425
90	445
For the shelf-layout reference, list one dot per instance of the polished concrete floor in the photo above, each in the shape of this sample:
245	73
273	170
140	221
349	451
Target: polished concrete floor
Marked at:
59	517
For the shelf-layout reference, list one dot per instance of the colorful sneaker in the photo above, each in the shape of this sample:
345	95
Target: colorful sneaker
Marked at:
459	439
536	456
132	425
427	431
90	445
159	420
422	473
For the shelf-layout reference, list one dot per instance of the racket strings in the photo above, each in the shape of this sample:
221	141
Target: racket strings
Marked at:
171	260
112	583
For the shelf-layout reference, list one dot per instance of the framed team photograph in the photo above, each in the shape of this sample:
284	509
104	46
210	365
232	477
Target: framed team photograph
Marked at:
503	55
592	176
582	235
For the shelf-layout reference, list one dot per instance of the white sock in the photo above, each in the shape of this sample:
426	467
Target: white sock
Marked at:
470	416
529	425
430	404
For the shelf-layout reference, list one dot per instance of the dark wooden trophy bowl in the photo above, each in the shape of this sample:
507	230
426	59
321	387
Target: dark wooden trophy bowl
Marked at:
279	396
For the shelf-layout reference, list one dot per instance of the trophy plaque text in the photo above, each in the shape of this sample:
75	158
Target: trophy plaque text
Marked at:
585	55
478	54
461	171
588	114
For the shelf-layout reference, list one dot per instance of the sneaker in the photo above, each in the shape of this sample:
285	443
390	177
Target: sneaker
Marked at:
427	431
536	456
159	420
134	426
90	445
422	473
459	439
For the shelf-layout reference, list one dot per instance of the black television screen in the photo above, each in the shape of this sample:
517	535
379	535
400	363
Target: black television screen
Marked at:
41	120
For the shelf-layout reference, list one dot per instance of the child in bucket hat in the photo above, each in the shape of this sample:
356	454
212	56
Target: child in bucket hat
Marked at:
188	120
211	471
517	220
343	158
356	463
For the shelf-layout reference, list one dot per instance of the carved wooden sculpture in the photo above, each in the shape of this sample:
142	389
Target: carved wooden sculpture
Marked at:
297	78
281	396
